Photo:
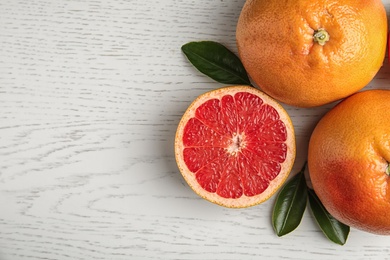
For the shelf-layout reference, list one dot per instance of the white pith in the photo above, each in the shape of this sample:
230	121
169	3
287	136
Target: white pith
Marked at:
238	143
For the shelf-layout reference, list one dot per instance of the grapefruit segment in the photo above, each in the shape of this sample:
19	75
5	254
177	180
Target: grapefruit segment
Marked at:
198	134
210	115
229	114
197	157
253	180
230	186
235	146
209	176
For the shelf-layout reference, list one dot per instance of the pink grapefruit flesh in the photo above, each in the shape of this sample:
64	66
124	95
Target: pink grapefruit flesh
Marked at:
235	146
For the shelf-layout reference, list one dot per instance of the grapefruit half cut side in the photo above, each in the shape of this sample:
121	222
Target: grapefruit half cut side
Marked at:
235	146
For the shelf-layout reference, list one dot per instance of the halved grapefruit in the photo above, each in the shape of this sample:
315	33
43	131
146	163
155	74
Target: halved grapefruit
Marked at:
235	146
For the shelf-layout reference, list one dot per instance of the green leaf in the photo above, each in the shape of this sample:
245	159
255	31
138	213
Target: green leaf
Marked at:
290	204
333	229
216	61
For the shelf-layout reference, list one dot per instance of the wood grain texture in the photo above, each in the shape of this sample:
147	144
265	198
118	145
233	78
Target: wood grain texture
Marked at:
91	93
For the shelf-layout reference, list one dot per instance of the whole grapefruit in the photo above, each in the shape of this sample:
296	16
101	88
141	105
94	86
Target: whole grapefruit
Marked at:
235	146
348	159
309	53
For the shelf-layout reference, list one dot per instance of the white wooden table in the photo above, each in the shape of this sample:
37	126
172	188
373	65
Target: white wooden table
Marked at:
91	92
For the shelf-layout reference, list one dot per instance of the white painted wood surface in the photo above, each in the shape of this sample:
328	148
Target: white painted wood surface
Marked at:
91	92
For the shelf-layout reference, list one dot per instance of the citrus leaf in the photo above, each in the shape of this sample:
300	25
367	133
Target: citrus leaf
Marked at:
333	229
290	204
216	61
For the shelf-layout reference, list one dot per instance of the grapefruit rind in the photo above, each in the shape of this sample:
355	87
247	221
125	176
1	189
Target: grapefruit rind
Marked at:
243	201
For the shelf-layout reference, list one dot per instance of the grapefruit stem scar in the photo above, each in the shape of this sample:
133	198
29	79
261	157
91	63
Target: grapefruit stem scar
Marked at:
321	36
388	169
